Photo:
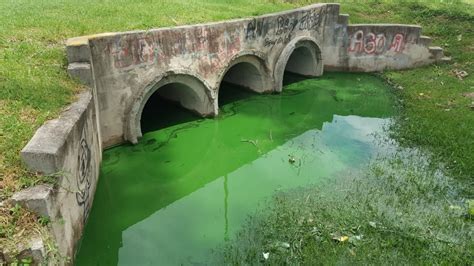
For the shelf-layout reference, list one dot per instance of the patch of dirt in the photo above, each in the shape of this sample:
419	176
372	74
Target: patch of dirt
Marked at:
468	95
460	74
17	226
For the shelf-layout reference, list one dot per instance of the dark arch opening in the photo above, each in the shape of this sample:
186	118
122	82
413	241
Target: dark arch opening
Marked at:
239	82
303	63
165	108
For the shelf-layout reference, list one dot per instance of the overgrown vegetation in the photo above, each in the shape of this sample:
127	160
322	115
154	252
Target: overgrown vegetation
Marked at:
437	104
401	211
18	227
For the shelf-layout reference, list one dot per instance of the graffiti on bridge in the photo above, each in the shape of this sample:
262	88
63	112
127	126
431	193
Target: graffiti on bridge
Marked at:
372	43
84	175
284	26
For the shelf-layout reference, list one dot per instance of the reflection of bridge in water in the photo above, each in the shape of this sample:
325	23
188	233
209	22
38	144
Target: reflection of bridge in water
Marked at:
222	204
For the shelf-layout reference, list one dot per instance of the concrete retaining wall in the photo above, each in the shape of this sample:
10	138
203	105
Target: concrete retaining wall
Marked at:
378	47
68	149
187	64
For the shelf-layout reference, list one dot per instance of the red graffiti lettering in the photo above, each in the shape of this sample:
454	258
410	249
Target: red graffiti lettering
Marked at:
380	44
397	43
357	42
133	52
371	43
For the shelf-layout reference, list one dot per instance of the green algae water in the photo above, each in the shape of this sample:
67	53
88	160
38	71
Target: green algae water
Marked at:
189	184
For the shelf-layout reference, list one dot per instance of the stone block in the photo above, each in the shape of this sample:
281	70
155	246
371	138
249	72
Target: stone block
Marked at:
82	72
44	152
343	19
38	157
77	50
436	52
36	199
34	251
41	152
424	41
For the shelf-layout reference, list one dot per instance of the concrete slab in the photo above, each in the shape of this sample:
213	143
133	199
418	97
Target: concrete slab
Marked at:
37	199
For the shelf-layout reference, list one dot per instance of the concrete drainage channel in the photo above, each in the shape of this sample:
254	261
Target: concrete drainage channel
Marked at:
187	64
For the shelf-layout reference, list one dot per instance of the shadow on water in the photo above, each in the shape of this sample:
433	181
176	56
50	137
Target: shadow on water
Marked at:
159	113
290	78
230	93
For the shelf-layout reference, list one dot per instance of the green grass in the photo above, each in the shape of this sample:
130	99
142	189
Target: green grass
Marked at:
436	115
34	85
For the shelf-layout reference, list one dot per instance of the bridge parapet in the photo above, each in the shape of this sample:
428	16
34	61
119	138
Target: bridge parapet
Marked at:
377	47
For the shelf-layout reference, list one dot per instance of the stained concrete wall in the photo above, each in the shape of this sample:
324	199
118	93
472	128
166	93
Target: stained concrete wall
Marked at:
69	149
129	65
377	47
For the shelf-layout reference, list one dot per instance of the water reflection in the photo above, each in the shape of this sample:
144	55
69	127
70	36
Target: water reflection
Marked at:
166	200
187	230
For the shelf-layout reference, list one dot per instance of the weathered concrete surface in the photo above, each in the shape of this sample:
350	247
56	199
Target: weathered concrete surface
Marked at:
377	47
187	64
128	67
68	147
37	199
82	72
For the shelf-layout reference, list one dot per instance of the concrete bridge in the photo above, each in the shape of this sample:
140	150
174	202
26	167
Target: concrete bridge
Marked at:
187	64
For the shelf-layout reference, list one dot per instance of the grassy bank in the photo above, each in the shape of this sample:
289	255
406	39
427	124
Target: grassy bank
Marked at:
436	114
438	105
401	211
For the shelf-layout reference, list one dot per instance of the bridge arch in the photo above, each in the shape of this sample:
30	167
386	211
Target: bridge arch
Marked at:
247	69
301	56
189	90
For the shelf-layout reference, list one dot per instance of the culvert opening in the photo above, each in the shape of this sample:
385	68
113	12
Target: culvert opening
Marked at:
239	82
165	108
302	64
